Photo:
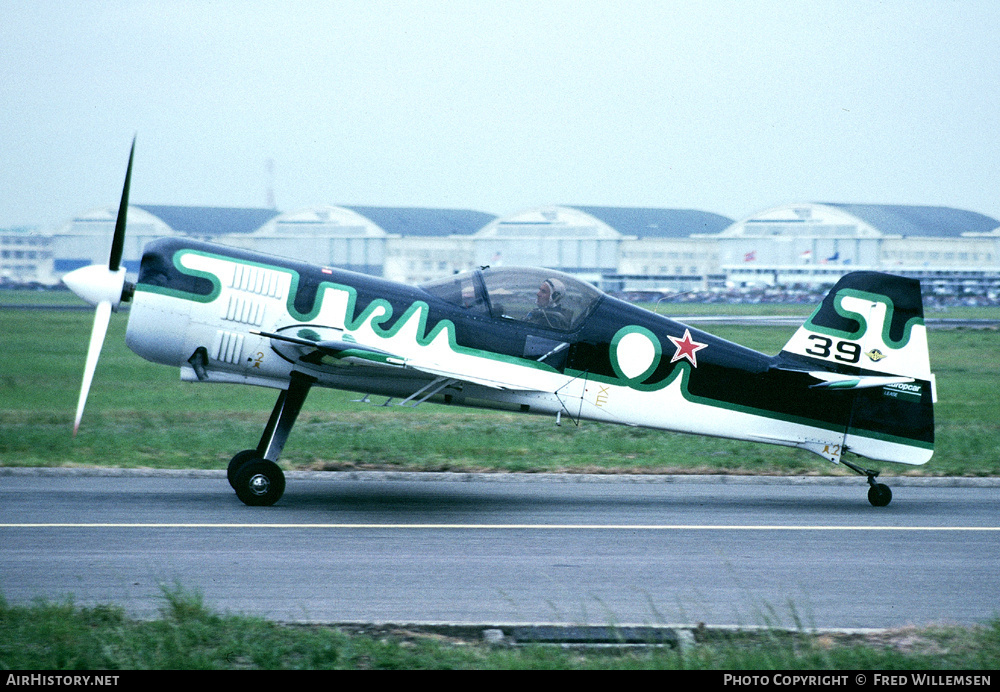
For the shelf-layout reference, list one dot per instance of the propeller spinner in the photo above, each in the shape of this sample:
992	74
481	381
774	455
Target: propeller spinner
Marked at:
105	288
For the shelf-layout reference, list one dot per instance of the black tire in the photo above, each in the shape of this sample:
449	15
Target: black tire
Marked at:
237	461
260	483
879	495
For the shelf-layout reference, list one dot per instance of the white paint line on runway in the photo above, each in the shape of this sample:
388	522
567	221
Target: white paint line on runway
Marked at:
497	527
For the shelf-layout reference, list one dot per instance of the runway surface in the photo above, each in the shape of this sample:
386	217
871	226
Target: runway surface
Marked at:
454	548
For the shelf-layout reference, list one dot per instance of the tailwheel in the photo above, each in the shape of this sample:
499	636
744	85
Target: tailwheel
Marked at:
237	462
879	494
259	483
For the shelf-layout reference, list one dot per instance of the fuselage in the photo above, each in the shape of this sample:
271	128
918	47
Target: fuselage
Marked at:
226	315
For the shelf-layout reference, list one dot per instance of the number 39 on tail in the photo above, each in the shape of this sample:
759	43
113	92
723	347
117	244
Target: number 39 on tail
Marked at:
854	378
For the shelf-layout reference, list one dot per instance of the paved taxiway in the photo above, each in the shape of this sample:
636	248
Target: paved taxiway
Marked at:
373	547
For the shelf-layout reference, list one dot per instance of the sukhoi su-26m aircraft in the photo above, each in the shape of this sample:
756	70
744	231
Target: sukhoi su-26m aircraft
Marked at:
854	378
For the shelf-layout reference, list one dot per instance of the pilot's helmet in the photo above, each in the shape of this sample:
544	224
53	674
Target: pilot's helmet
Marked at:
557	287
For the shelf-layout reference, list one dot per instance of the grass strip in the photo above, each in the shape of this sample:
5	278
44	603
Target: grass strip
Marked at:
190	636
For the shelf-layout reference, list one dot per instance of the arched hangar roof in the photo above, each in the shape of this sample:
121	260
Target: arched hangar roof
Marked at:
607	222
919	221
377	221
862	221
549	222
98	221
209	221
646	222
405	221
417	221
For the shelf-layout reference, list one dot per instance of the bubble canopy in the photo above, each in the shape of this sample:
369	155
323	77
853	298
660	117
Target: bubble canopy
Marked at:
519	293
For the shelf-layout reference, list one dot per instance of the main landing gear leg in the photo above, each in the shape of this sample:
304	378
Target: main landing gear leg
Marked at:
879	494
254	473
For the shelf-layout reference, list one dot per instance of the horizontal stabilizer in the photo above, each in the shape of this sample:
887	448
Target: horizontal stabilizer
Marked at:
832	380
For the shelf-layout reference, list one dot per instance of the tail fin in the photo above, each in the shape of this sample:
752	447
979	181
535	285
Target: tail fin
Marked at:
871	321
868	336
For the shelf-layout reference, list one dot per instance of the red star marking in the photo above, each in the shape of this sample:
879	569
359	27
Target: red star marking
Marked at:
686	348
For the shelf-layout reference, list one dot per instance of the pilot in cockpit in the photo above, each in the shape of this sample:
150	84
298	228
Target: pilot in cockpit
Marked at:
549	312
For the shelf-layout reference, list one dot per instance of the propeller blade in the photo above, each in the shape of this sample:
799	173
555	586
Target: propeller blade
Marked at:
97	283
102	287
102	317
118	241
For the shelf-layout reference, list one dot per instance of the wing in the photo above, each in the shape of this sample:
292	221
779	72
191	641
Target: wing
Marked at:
500	376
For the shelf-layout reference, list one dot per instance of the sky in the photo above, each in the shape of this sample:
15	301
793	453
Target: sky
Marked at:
498	105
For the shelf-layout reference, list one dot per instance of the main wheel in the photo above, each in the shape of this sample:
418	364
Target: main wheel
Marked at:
259	483
237	461
879	495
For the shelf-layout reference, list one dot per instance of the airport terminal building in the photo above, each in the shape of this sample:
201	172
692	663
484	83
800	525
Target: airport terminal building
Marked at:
810	245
